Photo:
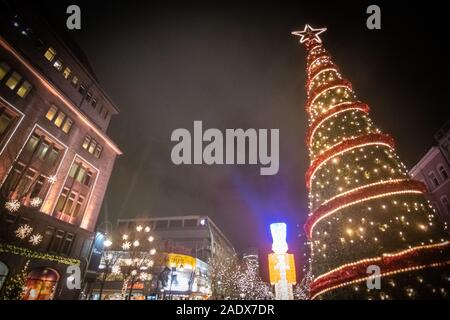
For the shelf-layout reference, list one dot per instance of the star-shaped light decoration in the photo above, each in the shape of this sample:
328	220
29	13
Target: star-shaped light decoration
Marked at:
126	245
309	33
12	205
36	202
51	179
23	231
35	239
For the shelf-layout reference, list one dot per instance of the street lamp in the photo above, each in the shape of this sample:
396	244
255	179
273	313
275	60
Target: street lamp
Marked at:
107	243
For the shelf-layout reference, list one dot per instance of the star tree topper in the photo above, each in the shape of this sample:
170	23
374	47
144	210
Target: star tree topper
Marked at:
309	33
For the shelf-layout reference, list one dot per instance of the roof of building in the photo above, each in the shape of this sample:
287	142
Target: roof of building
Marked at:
430	154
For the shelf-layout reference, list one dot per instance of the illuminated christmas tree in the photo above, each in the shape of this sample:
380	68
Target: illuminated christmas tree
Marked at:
365	209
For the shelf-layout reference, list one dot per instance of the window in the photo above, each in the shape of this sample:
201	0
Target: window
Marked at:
190	223
445	203
69	206
75	81
67	72
51	112
161	224
50	54
28	176
42	150
98	151
105	115
73	170
24	89
32	143
6	120
56	241
433	179
86	142
13	80
58	64
4	69
36	189
176	223
88	97
94	103
59	119
27	32
443	172
92	146
80	173
67	245
61	200
82	89
52	157
67	125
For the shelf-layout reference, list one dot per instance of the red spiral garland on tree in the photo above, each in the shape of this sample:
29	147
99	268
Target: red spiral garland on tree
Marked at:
373	138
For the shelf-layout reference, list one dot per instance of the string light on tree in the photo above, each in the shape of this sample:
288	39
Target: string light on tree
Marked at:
363	205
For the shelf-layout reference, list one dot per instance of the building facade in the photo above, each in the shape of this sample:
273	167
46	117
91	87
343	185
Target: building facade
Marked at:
55	156
199	235
433	169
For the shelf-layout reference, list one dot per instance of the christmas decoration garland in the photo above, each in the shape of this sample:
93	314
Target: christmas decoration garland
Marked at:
408	260
341	107
9	248
358	195
318	91
325	66
348	144
314	57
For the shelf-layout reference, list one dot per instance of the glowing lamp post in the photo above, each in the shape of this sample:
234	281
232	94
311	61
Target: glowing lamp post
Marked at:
281	264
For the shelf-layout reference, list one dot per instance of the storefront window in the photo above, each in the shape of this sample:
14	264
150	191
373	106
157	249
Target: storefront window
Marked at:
3	273
41	284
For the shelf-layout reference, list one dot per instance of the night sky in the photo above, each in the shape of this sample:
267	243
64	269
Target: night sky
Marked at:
235	65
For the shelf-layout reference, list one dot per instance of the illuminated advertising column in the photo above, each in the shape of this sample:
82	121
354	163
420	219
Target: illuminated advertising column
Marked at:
281	264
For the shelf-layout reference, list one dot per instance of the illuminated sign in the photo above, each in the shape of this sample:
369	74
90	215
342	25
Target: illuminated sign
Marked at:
279	263
180	261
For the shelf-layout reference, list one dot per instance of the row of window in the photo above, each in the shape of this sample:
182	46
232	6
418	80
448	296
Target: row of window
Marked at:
43	149
58	64
164	224
14	80
62	121
92	146
55	240
434	179
29	178
59	119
